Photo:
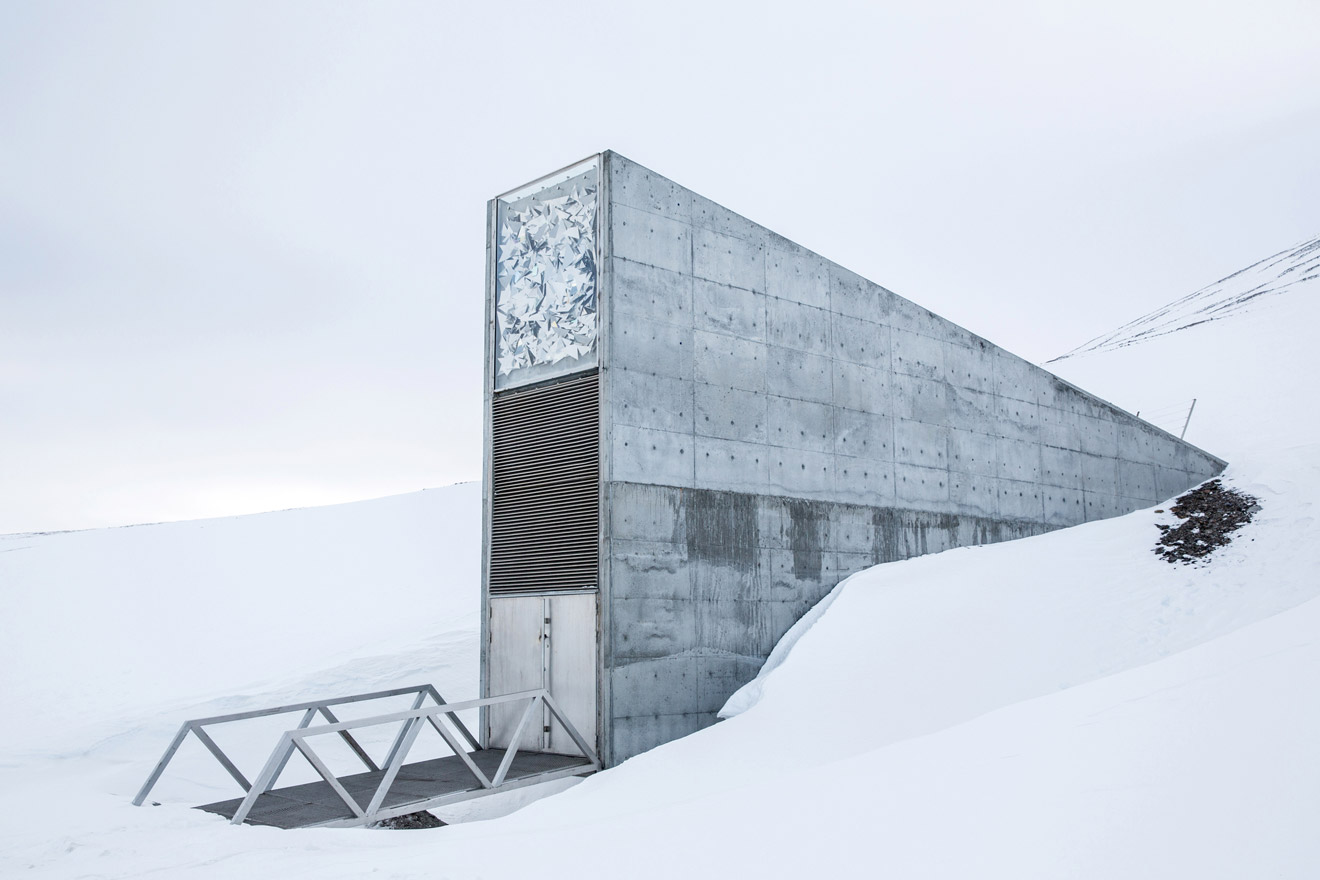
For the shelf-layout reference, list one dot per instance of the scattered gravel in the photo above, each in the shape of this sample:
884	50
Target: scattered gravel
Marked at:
1211	513
409	821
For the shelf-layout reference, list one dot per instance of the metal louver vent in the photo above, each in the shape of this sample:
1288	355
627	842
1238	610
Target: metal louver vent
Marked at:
545	488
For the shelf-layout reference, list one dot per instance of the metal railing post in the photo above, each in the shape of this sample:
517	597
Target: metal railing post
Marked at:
459	751
587	751
513	743
453	716
300	740
403	731
348	738
160	765
200	733
306	720
274	764
411	729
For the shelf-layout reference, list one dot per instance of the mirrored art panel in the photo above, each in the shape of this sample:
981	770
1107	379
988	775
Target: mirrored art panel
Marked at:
545	278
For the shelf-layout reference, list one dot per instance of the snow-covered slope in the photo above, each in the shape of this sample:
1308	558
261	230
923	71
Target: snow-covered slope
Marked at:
1249	287
1252	375
106	627
1064	706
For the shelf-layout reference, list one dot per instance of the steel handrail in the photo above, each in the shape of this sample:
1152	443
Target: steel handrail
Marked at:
311	709
412	722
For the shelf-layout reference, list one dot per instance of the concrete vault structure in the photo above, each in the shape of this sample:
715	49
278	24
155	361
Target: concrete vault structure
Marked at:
695	428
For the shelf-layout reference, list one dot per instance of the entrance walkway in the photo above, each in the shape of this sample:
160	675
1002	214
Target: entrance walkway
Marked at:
394	787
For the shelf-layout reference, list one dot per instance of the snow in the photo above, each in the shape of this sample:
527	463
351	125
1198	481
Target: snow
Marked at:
1066	705
263	594
1248	288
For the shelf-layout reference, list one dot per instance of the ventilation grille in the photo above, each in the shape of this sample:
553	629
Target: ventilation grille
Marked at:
545	493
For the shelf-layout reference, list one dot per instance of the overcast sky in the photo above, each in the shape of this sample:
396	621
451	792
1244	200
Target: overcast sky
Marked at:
241	244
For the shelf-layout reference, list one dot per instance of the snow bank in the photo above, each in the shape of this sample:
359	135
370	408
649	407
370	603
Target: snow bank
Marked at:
749	694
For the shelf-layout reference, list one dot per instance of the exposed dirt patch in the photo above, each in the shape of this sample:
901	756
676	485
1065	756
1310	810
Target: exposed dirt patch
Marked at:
1211	513
409	821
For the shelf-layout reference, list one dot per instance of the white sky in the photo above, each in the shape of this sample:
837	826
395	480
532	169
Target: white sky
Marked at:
241	244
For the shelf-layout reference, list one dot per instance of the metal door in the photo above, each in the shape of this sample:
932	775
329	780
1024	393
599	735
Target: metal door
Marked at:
514	663
543	642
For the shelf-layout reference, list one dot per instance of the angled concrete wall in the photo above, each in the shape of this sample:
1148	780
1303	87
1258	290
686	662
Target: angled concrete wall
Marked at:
774	422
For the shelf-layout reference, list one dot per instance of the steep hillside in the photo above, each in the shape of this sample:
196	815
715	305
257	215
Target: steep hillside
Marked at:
1253	286
1250	370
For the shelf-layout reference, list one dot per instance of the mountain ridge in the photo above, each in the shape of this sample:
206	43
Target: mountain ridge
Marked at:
1222	298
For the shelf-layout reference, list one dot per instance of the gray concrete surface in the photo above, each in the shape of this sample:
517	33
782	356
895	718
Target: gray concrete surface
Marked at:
774	422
